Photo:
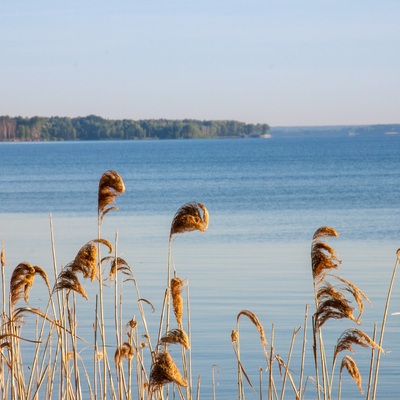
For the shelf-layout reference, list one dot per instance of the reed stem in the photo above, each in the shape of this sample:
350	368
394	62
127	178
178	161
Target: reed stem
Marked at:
378	357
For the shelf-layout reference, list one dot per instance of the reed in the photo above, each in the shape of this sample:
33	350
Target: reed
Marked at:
66	365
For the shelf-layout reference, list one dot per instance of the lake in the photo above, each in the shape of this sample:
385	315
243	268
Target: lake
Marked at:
266	197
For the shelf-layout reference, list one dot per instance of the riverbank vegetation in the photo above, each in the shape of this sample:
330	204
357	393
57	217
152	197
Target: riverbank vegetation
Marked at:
43	354
93	127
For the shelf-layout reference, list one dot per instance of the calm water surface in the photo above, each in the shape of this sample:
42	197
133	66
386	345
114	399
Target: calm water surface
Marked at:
265	197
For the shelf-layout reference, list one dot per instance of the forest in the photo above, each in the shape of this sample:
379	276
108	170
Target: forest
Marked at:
93	127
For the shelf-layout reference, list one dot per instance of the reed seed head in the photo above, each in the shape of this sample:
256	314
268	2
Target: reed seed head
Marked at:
329	292
111	185
254	319
176	336
352	369
85	261
22	280
234	336
125	351
351	337
333	308
190	217
163	371
323	256
118	265
357	293
325	231
177	301
132	323
3	257
68	280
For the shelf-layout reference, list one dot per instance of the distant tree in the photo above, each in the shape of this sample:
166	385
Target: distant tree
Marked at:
93	127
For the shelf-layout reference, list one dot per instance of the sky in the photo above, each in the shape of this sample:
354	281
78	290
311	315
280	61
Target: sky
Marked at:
284	63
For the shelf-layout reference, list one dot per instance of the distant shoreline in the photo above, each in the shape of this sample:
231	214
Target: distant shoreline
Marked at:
94	128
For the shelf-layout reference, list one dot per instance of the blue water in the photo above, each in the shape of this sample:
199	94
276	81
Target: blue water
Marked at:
265	198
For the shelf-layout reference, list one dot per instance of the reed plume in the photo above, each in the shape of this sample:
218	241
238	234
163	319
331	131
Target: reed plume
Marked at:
327	291
69	281
234	336
190	217
176	336
111	185
323	256
117	265
356	292
351	337
22	280
177	302
131	324
3	257
333	309
86	259
85	262
352	369
254	319
163	371
126	351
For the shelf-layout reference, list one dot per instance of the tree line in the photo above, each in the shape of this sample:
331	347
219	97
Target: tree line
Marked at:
93	127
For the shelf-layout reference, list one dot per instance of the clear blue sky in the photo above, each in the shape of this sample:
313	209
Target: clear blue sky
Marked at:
277	62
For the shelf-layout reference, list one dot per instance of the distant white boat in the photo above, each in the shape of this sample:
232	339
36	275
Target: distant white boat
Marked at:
266	136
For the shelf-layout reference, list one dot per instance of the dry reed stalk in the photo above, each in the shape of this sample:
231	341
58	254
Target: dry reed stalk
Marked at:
213	368
236	348
111	185
142	313
323	259
371	366
389	294
164	371
131	326
177	302
176	336
3	282
287	365
303	354
271	385
189	217
22	280
60	333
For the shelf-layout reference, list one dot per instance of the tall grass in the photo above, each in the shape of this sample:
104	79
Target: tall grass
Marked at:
130	363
